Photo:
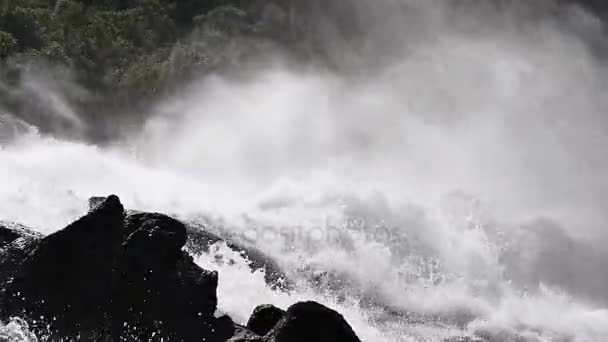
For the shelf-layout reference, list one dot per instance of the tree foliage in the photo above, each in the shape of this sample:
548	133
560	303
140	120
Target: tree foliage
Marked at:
123	53
137	47
8	44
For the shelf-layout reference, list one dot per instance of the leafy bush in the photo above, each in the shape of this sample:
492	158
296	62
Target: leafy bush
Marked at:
8	44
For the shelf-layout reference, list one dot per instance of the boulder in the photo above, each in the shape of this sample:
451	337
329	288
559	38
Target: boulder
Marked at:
159	287
303	322
95	201
242	334
122	276
10	232
264	318
16	243
200	237
110	276
311	321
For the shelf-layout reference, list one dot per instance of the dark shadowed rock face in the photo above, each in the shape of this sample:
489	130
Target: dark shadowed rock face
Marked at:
311	321
264	318
242	334
155	238
95	201
200	239
303	322
111	276
116	276
159	286
67	279
16	243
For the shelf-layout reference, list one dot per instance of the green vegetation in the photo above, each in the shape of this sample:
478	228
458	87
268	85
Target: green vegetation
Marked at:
131	47
125	54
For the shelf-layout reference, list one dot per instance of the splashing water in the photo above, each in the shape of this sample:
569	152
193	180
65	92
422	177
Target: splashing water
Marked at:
17	330
456	189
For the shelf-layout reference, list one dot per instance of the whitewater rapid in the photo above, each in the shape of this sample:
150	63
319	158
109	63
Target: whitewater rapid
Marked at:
405	254
451	185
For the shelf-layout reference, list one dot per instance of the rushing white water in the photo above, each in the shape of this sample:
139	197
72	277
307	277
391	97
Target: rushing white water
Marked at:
457	188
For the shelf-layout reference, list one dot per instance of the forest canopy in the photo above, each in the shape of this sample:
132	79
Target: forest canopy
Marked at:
123	53
137	45
107	61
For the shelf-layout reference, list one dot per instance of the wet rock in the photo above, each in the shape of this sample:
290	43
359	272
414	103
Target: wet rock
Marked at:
94	202
12	256
225	327
311	321
157	235
264	318
115	277
200	238
242	334
67	278
17	242
10	232
118	276
159	287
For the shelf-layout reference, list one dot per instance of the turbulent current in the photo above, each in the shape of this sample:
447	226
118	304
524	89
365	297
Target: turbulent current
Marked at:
452	184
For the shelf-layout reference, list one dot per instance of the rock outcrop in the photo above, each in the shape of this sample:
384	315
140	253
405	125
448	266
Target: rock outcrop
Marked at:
302	322
200	239
242	334
264	318
16	243
158	286
125	276
106	276
67	279
311	321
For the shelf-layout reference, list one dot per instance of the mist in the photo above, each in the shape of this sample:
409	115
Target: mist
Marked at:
472	133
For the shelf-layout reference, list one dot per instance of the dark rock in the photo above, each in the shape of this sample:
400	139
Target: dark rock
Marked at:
95	201
225	327
107	276
200	239
311	321
159	287
17	242
67	278
12	256
126	277
156	235
10	232
7	236
264	318
242	334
